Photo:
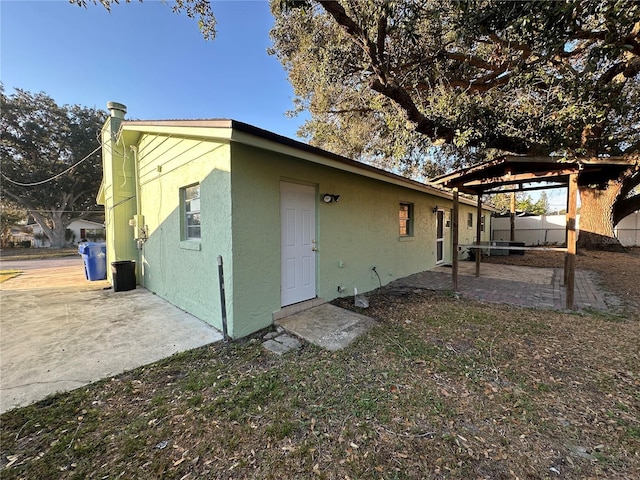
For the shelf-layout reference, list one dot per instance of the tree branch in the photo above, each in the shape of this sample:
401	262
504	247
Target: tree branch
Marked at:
382	34
525	49
350	110
630	179
339	14
482	84
475	61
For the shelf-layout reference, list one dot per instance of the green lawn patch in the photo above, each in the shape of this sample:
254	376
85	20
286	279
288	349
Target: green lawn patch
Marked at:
8	274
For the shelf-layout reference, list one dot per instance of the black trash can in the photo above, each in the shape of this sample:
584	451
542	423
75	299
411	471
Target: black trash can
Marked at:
124	275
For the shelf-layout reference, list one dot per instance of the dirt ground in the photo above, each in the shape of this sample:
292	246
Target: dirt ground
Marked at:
618	272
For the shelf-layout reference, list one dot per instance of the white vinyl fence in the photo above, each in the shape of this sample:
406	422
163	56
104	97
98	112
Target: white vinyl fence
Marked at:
628	230
550	230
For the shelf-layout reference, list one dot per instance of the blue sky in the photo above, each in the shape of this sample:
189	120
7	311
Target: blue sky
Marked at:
154	61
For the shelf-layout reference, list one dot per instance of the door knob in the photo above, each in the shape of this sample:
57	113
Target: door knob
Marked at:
314	249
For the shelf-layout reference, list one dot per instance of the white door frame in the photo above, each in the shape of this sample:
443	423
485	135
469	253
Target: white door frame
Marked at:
297	242
440	237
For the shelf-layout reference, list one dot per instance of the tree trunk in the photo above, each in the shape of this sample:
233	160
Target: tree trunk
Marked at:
596	216
56	234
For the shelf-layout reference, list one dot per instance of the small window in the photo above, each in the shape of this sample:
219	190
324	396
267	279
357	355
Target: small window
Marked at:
470	220
191	212
405	217
482	223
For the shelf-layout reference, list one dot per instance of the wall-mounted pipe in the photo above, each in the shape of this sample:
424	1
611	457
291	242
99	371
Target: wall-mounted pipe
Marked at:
139	237
223	302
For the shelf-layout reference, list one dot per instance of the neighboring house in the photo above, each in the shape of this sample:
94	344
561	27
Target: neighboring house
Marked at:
292	223
18	236
79	230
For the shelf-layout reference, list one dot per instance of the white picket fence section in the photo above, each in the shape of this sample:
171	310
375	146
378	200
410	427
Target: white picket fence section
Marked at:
550	230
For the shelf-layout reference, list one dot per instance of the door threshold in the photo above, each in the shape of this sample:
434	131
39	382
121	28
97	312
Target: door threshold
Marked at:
298	307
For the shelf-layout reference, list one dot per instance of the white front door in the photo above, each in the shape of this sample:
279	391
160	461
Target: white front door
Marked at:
298	239
439	236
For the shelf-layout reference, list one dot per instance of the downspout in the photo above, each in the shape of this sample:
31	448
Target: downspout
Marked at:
139	228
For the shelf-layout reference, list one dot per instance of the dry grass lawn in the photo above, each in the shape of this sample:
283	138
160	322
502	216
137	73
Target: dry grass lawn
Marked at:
442	388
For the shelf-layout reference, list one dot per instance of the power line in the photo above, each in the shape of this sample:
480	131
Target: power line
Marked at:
52	178
66	211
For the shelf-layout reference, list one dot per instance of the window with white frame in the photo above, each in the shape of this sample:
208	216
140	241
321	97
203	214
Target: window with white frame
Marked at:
405	218
482	223
191	212
469	220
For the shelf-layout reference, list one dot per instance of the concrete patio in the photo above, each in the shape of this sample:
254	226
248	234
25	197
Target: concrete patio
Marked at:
517	285
61	332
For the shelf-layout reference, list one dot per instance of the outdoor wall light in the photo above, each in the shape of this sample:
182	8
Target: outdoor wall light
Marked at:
435	209
330	198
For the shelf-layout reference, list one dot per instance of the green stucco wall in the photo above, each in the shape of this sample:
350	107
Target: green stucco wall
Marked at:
185	272
119	196
353	235
240	207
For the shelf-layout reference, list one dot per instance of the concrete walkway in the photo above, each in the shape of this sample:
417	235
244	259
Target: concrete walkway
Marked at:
516	285
327	326
59	331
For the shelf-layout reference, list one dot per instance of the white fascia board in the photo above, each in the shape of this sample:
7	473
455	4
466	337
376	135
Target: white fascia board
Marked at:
358	169
222	131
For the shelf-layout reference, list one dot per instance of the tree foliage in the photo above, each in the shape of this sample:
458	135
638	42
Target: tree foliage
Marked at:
521	77
200	9
41	146
473	78
524	203
10	216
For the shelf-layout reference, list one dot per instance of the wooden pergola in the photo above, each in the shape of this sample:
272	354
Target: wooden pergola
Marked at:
525	173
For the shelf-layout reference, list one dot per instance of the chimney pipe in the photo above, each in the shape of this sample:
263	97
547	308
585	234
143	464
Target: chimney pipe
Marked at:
117	110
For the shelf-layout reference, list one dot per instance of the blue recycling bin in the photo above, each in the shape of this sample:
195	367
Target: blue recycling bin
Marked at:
94	257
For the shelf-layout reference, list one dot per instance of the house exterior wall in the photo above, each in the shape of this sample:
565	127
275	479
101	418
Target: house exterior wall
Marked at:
185	272
357	233
76	227
240	210
119	193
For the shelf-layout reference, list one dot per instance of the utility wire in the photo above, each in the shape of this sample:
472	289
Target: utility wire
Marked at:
67	211
55	176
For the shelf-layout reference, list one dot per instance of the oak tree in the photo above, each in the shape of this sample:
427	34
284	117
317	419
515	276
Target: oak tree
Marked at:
51	160
470	80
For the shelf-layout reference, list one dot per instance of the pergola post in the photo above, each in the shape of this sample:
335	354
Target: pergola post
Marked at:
454	234
565	278
570	259
512	218
478	233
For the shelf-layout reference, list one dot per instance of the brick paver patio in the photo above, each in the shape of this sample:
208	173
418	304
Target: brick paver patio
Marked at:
524	286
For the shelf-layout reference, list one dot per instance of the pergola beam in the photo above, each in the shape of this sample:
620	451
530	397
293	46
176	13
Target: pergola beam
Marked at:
526	189
517	178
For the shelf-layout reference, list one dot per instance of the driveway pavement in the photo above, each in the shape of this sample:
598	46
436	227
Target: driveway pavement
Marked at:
59	331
